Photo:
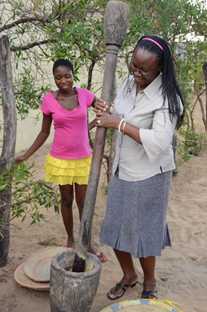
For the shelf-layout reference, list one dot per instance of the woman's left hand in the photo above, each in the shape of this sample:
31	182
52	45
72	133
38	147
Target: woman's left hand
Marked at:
107	120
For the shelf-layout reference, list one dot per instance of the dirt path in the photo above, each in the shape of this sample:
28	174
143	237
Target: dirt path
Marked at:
181	271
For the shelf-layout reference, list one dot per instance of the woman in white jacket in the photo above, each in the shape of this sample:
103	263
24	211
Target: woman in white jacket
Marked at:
148	109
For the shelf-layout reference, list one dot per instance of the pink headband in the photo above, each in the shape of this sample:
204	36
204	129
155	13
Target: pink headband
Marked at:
154	41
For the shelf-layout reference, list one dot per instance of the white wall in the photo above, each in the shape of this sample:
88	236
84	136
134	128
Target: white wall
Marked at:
27	131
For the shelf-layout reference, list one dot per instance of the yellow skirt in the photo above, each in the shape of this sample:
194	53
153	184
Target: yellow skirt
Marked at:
70	171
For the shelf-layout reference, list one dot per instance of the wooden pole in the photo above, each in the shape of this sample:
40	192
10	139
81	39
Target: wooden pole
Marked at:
205	81
8	149
116	22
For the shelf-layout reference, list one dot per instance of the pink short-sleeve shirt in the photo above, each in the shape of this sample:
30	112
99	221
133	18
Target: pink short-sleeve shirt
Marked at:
71	139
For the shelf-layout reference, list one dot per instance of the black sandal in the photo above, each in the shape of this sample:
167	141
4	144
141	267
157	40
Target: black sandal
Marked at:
149	294
119	290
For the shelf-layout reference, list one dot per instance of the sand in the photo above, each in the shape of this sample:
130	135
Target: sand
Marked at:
181	271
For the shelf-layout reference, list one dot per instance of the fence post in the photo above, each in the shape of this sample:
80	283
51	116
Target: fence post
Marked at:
205	82
8	148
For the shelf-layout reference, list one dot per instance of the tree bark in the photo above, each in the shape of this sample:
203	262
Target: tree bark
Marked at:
205	81
8	149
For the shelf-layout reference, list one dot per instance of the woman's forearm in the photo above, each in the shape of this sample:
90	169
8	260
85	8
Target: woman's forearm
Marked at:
126	128
39	141
131	131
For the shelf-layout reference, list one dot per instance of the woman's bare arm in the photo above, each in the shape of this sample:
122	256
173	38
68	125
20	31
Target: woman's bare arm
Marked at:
39	141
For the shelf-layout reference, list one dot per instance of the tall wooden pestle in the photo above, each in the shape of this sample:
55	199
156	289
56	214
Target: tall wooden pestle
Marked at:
115	27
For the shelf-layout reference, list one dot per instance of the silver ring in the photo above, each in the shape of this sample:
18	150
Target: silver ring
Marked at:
98	121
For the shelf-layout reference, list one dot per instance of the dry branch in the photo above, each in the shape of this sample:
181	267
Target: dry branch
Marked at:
31	45
24	20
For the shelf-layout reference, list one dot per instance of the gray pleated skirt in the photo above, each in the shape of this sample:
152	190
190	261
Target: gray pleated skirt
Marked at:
135	219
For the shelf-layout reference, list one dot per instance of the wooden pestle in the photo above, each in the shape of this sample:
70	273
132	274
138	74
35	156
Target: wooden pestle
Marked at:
115	27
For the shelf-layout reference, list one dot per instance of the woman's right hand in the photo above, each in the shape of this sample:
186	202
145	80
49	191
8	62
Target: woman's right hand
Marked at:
107	120
19	159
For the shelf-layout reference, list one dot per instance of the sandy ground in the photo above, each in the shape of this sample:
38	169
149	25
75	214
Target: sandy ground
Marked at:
181	271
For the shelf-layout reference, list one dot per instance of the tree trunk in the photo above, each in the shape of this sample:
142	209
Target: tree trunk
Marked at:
205	81
8	149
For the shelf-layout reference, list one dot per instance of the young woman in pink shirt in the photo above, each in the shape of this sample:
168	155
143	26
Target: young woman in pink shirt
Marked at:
69	159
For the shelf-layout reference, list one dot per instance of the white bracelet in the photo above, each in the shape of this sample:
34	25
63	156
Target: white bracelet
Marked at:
124	125
120	124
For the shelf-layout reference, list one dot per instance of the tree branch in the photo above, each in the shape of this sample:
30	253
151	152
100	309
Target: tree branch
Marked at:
197	98
23	20
31	45
203	113
90	73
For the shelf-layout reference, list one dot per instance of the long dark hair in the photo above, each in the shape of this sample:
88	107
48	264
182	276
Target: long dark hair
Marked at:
170	88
